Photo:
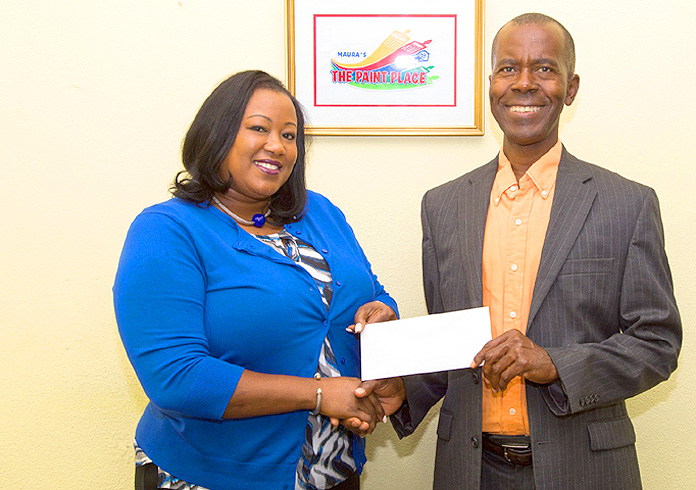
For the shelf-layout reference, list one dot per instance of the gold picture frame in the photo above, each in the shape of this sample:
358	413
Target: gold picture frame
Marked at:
424	78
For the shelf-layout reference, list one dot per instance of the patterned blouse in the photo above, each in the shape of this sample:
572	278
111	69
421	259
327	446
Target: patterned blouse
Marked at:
327	453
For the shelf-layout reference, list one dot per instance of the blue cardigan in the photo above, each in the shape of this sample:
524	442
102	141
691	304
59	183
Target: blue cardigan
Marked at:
197	301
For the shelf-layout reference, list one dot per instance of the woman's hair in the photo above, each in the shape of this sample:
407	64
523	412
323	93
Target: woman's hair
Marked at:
212	134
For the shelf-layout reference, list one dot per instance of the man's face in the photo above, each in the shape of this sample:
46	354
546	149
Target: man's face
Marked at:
530	84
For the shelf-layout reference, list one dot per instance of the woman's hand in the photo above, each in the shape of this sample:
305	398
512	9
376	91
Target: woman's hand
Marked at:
339	403
390	393
372	312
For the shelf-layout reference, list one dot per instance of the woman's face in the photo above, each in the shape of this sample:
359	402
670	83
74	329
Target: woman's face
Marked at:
265	149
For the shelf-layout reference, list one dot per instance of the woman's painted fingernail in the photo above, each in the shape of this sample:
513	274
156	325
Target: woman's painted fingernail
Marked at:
358	327
385	419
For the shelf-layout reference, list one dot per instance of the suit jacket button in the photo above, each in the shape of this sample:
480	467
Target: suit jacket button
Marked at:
474	442
475	378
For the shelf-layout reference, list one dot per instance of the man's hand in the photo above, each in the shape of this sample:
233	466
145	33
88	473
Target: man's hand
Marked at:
390	392
513	354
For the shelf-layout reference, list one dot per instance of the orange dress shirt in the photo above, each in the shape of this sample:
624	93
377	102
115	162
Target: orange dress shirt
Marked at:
518	215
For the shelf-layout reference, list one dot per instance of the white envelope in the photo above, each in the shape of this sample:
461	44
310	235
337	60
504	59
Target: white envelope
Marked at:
424	344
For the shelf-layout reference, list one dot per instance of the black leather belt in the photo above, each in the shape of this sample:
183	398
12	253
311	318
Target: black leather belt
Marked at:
515	450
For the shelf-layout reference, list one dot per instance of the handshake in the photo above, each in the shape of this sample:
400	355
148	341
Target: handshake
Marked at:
371	403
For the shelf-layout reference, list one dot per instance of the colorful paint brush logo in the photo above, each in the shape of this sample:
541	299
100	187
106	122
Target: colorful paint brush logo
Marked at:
398	63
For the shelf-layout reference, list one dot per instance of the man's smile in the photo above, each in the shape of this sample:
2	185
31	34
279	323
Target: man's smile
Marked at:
523	109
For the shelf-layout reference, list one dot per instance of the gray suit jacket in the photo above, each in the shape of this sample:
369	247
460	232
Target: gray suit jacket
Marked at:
603	307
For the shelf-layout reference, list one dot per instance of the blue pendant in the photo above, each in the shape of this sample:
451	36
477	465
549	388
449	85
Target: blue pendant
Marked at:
259	220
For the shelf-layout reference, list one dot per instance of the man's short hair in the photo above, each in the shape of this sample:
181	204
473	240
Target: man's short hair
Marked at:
541	19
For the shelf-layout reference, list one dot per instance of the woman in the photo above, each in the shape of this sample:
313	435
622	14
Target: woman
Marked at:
233	300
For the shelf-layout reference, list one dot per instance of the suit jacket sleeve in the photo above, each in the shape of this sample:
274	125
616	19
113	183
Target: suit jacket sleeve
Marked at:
644	351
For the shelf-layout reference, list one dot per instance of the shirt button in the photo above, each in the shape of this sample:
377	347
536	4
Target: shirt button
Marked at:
513	267
513	314
513	188
497	200
518	222
544	193
512	411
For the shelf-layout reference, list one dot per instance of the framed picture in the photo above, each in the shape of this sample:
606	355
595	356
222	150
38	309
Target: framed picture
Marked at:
386	67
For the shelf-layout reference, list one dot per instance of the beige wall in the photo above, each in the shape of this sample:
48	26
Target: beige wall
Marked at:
94	100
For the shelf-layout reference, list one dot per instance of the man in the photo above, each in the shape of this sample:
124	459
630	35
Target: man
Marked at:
570	259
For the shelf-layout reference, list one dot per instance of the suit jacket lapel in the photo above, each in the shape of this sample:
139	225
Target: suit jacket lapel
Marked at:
572	201
472	210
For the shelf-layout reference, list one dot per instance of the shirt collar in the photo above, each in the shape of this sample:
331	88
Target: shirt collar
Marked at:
542	175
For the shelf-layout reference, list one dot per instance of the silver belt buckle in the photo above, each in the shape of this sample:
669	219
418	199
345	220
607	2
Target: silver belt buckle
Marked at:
521	447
